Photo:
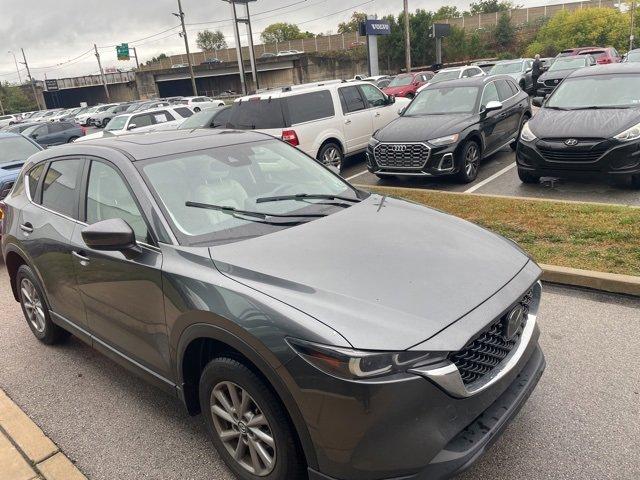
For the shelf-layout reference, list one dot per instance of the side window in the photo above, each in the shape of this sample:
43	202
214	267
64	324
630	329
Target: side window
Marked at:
504	90
310	106
33	177
221	120
514	88
490	94
163	116
351	99
41	130
374	96
141	120
184	112
108	197
60	188
56	127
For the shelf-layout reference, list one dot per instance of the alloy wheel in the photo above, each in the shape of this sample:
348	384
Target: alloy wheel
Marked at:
471	161
243	428
32	305
332	157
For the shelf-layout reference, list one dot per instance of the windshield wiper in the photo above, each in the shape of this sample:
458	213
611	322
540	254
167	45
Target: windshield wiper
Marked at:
307	196
260	217
600	107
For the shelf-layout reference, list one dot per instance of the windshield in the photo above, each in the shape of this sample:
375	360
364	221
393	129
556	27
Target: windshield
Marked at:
401	81
442	76
511	67
14	149
599	91
436	101
567	64
633	56
237	176
116	123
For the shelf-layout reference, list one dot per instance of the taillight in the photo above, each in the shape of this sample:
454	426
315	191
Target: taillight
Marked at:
84	129
3	207
604	60
291	137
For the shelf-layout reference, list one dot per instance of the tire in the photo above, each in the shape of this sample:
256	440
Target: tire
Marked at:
218	378
469	157
35	308
196	109
105	121
514	144
528	177
331	155
72	139
635	181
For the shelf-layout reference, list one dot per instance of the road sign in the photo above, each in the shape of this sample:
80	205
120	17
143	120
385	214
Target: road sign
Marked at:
123	51
375	27
52	85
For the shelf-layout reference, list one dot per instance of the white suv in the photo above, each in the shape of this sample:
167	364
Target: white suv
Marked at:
200	103
453	73
7	120
328	120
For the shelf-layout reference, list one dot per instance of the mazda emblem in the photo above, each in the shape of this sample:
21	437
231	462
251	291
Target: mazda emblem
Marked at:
513	321
572	142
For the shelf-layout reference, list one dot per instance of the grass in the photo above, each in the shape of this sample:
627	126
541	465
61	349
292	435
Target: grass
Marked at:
578	235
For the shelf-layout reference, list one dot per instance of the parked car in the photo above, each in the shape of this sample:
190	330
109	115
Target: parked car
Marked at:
546	63
96	117
453	73
632	56
357	44
328	120
102	117
216	117
14	151
200	103
519	70
54	133
20	127
407	84
561	69
571	52
589	125
68	115
180	65
212	61
150	105
603	55
384	82
84	117
284	53
138	122
449	128
485	65
196	260
6	120
268	55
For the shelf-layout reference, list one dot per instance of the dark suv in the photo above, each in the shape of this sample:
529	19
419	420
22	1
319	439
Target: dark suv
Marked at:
206	262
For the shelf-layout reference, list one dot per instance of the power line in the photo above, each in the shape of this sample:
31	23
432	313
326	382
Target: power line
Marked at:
60	65
145	38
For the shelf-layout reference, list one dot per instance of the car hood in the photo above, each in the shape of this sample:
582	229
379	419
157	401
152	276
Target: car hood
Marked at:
556	74
385	273
548	123
424	127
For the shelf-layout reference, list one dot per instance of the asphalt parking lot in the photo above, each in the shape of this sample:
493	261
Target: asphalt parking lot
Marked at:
581	422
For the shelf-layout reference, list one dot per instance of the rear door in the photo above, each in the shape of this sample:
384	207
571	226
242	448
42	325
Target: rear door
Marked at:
358	121
511	110
493	123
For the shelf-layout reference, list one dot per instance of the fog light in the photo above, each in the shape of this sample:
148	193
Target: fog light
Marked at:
446	163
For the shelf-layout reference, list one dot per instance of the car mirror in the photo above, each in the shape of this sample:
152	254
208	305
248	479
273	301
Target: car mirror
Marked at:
131	126
528	70
110	235
492	106
391	99
401	111
537	101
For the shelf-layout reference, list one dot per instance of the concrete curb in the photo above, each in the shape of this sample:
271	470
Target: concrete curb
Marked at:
606	282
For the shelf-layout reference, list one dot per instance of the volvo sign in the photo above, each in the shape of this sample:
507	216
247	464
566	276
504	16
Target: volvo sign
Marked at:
375	27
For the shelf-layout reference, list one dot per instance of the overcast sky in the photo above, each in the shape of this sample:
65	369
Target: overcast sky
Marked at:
60	31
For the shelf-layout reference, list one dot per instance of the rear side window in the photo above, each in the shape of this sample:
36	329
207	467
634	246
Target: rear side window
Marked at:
504	90
59	191
351	99
184	112
220	120
33	177
141	120
260	114
57	127
310	106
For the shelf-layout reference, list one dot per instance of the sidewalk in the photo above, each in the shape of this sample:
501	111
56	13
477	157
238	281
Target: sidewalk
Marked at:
26	453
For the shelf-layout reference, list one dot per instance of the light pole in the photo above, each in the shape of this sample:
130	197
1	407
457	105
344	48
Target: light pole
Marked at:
247	22
633	25
17	68
33	83
407	40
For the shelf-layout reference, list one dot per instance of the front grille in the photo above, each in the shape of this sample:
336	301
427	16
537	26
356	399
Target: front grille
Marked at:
583	152
487	351
401	155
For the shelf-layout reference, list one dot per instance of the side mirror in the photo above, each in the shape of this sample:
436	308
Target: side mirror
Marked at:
528	70
132	126
401	111
391	99
110	235
537	101
492	106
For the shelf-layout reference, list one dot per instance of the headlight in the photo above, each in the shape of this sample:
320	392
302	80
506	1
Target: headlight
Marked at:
448	140
351	364
373	142
632	133
526	135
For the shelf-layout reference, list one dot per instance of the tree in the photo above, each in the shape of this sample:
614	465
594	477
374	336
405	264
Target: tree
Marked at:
14	100
157	59
354	24
283	31
504	33
491	6
208	40
447	11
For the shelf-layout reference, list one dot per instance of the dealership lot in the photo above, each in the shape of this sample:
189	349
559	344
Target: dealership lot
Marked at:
581	422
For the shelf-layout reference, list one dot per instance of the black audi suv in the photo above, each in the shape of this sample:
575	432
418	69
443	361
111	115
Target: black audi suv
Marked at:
590	125
560	69
206	262
449	128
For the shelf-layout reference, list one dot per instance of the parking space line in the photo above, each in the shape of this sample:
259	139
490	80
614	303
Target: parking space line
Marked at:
490	179
356	175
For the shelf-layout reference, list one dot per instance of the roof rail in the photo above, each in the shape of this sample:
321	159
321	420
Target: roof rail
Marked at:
303	86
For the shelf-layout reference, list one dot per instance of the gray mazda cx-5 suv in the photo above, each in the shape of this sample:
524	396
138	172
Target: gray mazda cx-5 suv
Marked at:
323	332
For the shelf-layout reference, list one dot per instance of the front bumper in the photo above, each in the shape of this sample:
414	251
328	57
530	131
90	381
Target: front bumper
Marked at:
553	158
440	162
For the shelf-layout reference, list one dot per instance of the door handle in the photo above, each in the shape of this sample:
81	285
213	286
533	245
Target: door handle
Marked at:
378	114
347	122
83	259
26	228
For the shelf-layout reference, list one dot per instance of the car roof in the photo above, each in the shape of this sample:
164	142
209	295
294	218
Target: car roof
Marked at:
608	69
299	89
470	81
4	134
141	146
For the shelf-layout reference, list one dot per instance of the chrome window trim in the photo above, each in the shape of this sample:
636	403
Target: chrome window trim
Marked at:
448	376
425	144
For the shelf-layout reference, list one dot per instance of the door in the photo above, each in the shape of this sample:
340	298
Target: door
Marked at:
493	123
381	111
510	108
357	119
46	228
122	293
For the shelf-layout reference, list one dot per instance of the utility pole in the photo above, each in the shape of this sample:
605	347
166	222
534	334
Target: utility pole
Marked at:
633	25
17	68
104	79
252	55
33	85
180	15
136	55
1	107
236	32
407	40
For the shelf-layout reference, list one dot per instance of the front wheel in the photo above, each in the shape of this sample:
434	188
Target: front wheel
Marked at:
331	155
249	426
528	177
469	161
196	109
514	144
635	181
72	139
105	121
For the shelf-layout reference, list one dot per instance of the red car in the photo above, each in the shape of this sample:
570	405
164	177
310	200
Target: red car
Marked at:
406	84
603	55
